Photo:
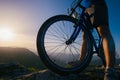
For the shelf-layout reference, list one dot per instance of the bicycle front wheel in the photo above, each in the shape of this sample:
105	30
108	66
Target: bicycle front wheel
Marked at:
52	47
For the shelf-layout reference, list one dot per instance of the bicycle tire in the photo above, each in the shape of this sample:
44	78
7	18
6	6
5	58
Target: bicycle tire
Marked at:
43	50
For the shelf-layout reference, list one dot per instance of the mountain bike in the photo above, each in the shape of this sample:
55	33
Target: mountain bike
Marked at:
60	38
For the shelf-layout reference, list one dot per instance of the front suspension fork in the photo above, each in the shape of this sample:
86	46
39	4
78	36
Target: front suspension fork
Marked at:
74	34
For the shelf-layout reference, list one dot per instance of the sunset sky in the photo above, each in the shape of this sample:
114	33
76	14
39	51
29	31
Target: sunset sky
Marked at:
20	20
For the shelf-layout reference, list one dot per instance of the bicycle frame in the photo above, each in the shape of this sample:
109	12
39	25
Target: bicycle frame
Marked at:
87	24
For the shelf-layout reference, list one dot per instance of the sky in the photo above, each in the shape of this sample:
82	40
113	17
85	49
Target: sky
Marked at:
23	18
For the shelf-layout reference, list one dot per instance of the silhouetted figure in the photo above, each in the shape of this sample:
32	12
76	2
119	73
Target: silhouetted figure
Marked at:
100	21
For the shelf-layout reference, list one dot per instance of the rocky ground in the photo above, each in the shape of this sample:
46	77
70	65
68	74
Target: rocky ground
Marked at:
91	73
13	71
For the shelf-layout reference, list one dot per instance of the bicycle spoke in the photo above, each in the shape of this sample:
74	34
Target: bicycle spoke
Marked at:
50	34
60	53
61	29
72	53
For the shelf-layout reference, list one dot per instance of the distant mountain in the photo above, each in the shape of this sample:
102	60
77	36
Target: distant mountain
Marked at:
20	55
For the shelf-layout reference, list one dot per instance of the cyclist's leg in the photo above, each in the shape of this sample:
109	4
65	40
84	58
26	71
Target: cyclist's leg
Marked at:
108	45
83	47
109	52
101	21
83	51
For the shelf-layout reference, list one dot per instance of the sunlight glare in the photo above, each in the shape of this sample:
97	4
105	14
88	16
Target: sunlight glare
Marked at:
6	34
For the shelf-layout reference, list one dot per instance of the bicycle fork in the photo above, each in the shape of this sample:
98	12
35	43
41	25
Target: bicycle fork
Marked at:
75	33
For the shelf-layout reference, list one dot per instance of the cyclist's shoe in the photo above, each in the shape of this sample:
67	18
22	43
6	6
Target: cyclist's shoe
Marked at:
111	74
74	63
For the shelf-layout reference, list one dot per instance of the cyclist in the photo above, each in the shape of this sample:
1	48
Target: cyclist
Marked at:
100	21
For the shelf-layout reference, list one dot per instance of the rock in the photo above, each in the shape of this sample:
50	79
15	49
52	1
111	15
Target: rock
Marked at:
94	73
49	75
12	70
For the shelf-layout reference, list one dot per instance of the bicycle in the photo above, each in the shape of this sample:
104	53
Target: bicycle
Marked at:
59	40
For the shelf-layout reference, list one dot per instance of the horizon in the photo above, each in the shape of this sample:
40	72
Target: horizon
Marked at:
20	20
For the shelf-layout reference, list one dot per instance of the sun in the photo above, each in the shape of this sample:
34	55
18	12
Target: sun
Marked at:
6	34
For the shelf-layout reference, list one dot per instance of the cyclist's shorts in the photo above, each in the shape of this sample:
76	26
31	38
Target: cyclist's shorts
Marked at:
100	14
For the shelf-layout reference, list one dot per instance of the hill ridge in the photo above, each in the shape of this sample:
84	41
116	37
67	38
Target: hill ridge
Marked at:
20	55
